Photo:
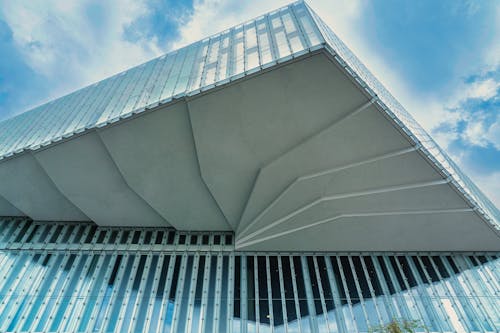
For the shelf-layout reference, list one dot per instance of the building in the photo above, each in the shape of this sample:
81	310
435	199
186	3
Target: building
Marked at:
259	180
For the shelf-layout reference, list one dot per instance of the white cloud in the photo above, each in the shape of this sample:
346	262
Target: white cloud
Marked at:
62	40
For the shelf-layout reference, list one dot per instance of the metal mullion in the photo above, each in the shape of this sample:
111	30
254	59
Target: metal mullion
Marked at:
485	276
17	282
140	293
372	291
102	290
336	297
218	293
122	303
397	288
280	16
269	295
87	293
37	281
256	293
360	293
179	293
7	263
470	301
154	290
243	295
429	300
346	292
282	292
471	280
204	299
313	323
295	294
166	290
494	274
390	301
321	293
203	61
6	225
218	62
230	294
192	293
490	262
438	297
69	276
27	233
13	234
17	264
272	40
47	295
415	298
301	33
73	298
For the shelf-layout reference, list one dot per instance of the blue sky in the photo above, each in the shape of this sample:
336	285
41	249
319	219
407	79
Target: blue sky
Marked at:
441	59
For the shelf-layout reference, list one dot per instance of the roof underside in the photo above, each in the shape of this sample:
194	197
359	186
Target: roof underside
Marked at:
273	129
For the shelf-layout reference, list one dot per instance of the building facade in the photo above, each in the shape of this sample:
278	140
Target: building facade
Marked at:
259	180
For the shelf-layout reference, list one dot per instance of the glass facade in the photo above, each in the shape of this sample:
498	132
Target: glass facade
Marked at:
76	277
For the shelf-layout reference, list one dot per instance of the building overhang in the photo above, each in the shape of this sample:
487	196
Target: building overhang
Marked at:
295	157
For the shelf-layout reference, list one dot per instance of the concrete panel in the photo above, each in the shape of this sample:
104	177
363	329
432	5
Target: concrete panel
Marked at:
408	168
26	186
437	197
426	232
85	173
6	209
362	136
242	127
157	157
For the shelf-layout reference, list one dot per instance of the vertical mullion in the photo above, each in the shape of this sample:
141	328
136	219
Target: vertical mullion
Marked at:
46	295
192	294
166	291
8	299
346	292
269	295
359	291
230	294
67	314
154	290
372	290
126	297
204	299
244	295
86	293
179	293
320	289
431	301
336	296
146	272
296	294
457	287
60	294
95	312
282	292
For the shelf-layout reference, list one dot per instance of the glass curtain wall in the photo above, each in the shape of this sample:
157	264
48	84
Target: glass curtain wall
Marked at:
74	277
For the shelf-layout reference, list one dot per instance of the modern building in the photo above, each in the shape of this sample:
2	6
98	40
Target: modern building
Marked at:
259	180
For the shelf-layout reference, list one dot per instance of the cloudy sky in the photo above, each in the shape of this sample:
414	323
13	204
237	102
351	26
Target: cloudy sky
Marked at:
441	59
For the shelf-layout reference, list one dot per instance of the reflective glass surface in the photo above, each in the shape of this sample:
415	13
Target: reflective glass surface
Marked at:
104	286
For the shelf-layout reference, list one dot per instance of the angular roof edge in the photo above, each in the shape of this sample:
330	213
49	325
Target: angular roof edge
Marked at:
405	121
256	45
